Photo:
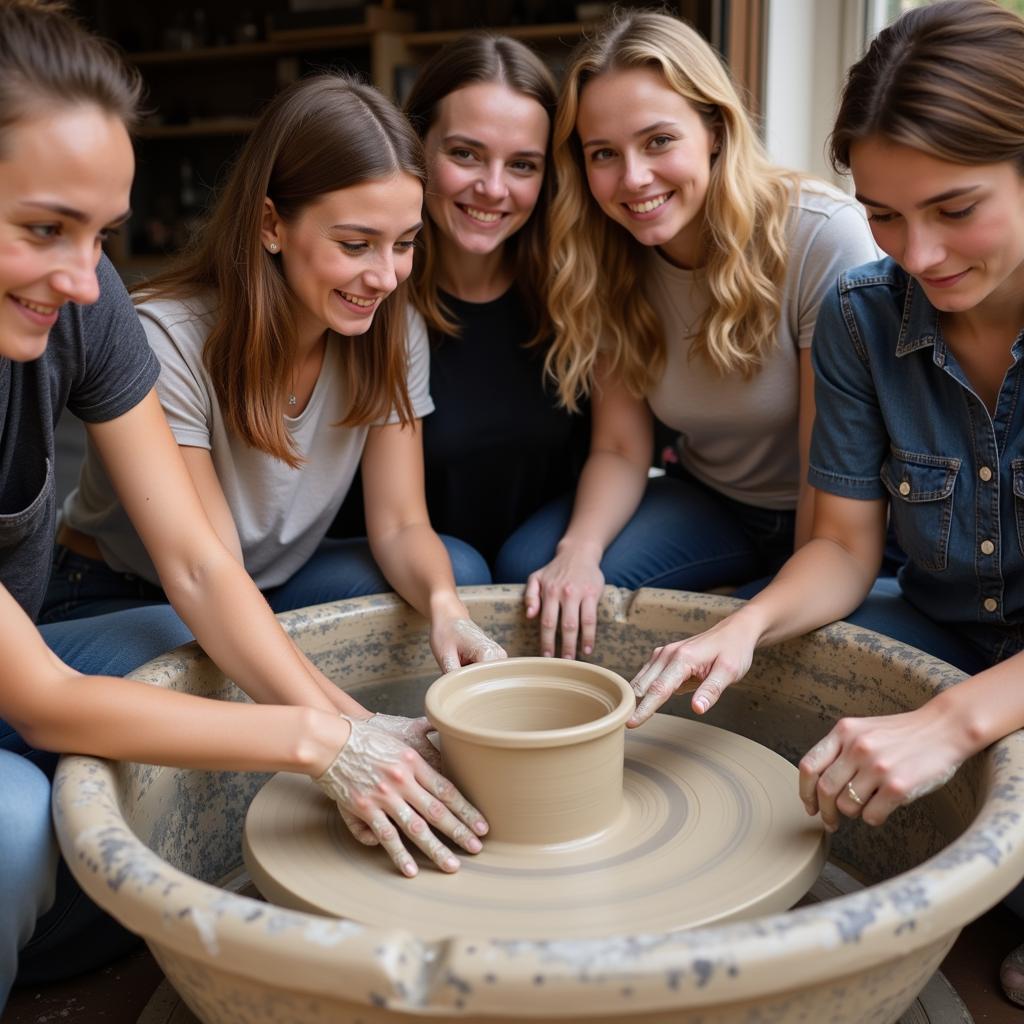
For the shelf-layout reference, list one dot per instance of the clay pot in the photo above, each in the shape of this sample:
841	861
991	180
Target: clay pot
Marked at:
537	744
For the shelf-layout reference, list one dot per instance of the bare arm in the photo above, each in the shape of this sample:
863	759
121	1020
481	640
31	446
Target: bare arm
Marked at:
409	551
199	464
823	581
611	487
805	499
206	585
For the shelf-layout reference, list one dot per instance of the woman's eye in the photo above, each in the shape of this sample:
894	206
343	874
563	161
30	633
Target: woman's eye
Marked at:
406	246
353	247
958	214
660	141
44	231
881	218
462	154
524	166
599	155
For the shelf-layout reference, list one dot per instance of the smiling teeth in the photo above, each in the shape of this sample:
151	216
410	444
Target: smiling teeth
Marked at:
649	204
482	215
36	308
356	300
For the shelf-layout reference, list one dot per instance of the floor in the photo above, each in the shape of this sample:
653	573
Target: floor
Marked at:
118	994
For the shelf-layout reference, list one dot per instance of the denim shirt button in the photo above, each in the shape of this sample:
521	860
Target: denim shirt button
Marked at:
985	473
904	488
987	547
991	604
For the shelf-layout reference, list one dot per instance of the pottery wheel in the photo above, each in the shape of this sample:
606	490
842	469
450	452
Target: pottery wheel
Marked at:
712	828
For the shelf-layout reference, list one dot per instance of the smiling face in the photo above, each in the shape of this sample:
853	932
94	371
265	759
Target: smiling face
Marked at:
65	180
347	252
647	154
485	161
958	229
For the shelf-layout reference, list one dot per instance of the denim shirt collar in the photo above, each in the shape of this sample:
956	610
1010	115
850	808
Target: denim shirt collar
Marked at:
919	328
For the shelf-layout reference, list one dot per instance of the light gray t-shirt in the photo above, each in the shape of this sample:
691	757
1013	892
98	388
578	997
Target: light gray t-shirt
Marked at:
281	514
739	435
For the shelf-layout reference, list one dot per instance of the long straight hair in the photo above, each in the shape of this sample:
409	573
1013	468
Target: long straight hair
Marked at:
475	58
596	299
322	134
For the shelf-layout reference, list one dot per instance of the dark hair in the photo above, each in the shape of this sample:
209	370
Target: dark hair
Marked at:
320	135
474	58
947	79
47	57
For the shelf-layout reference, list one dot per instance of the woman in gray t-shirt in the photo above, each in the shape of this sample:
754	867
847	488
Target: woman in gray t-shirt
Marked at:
687	276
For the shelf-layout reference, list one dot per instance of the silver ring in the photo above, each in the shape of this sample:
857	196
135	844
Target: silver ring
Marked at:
852	793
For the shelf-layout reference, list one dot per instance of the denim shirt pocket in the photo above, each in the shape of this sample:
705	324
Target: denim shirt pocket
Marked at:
1017	467
17	526
920	489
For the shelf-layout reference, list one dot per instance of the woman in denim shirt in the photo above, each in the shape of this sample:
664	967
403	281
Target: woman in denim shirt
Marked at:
919	416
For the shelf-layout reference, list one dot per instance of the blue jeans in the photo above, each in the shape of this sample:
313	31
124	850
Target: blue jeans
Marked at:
683	536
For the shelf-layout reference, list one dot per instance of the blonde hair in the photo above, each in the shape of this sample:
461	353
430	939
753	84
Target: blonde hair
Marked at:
596	303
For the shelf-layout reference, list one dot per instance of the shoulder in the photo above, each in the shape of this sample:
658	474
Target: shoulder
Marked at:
816	201
828	229
185	321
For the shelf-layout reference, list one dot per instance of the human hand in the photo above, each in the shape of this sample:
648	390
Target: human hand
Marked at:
412	732
379	782
871	766
460	641
707	663
567	589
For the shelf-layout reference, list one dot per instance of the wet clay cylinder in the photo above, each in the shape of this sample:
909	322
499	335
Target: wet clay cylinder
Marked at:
537	744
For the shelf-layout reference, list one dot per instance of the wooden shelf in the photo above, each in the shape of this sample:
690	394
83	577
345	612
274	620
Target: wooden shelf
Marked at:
196	129
528	33
334	38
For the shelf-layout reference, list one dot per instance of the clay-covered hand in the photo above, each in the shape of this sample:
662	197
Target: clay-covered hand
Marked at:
706	663
412	732
566	590
383	788
460	641
871	766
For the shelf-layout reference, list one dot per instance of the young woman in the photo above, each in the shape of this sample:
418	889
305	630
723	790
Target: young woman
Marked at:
688	272
284	364
497	447
918	370
69	337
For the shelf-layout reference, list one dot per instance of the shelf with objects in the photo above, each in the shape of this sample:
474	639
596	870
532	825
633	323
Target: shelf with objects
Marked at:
209	69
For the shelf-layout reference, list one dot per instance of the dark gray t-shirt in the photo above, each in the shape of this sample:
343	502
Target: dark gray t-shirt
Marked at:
97	363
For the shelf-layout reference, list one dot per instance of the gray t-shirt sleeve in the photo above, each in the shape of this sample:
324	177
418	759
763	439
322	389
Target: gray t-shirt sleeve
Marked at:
178	343
841	241
417	346
118	369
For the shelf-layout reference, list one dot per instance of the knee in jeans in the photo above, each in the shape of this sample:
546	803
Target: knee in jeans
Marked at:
469	567
27	843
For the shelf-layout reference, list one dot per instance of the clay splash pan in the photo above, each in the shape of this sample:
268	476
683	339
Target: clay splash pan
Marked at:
595	831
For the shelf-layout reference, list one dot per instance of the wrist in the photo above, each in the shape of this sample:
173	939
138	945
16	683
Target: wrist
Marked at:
969	728
322	738
751	618
446	604
582	546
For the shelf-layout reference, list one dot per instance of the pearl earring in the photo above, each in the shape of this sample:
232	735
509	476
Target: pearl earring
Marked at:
273	247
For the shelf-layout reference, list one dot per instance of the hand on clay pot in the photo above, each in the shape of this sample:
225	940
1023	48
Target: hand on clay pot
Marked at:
412	732
567	589
706	663
460	641
871	766
383	788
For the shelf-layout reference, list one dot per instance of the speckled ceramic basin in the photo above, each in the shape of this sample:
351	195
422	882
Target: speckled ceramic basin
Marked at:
147	843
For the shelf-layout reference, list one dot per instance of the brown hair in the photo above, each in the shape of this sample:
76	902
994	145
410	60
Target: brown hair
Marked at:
947	79
48	58
320	135
474	58
597	300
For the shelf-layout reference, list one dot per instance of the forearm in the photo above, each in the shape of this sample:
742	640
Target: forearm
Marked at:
126	720
611	487
821	582
415	562
236	627
341	701
986	707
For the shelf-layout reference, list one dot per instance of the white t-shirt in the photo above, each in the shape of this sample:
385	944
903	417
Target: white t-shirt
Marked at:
739	435
281	514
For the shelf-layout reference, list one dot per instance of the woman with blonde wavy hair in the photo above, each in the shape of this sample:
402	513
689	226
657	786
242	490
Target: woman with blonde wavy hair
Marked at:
687	275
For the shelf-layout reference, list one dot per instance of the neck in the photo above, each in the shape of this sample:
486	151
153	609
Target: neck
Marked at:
473	277
686	250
